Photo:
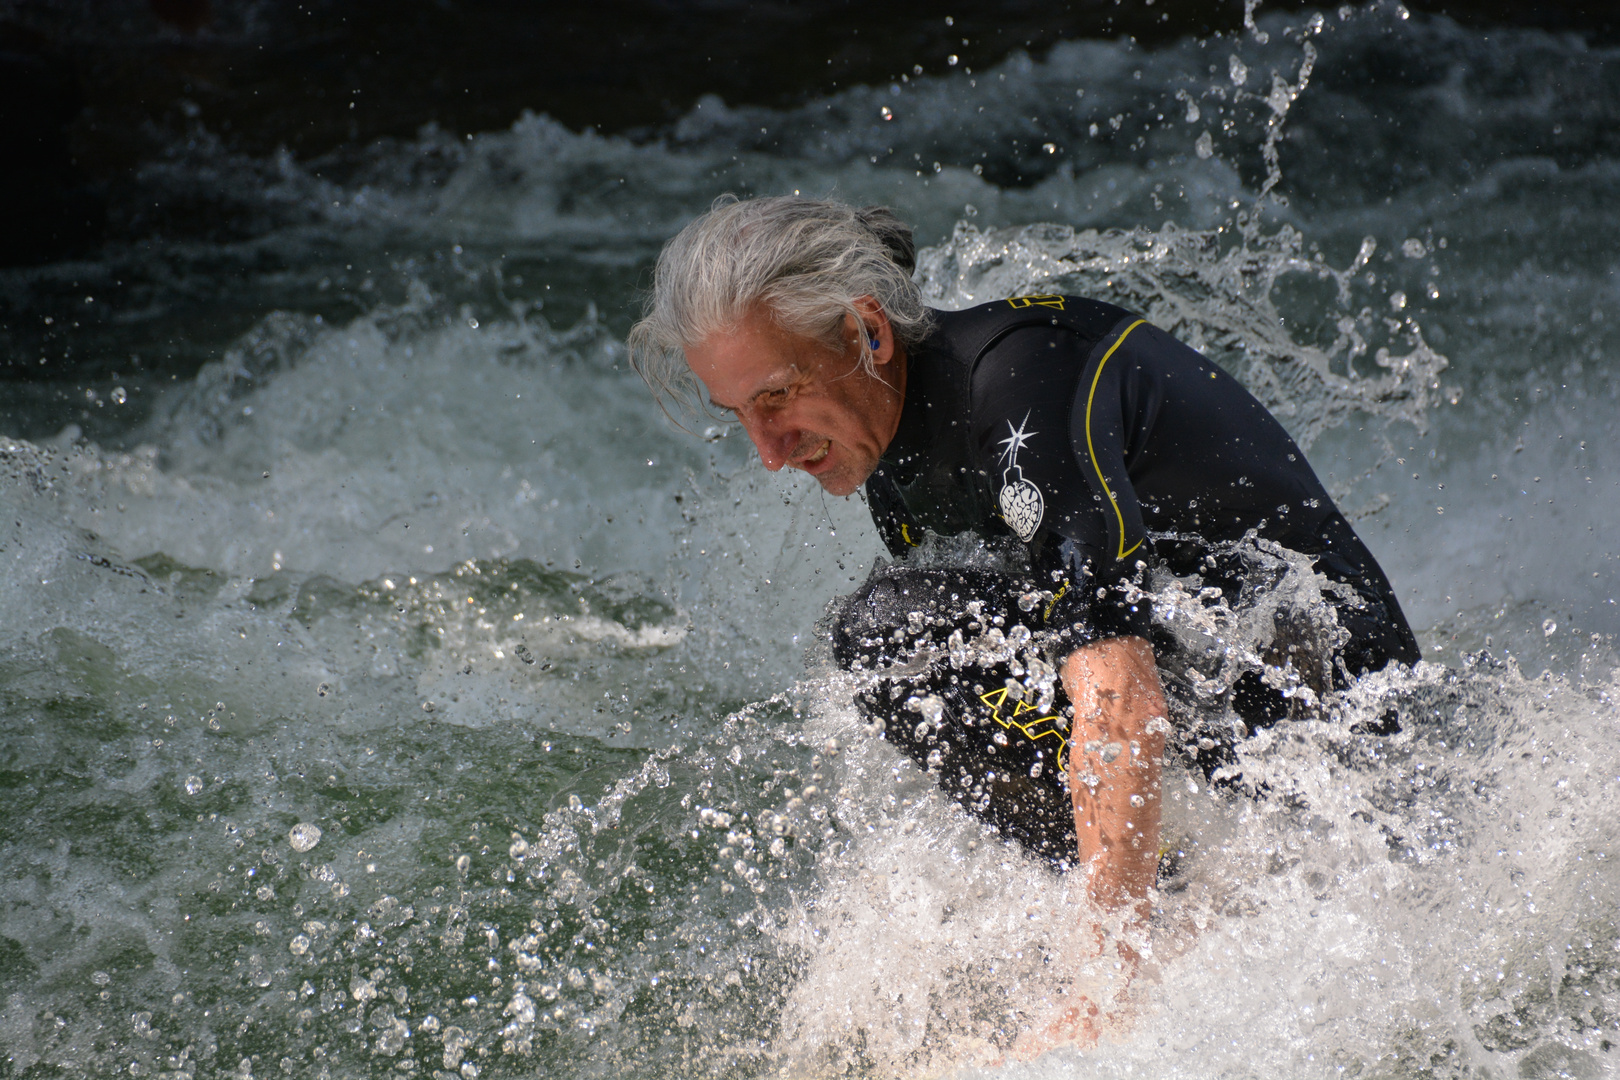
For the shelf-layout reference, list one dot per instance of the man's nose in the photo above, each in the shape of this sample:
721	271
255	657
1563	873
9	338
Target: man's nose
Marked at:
775	442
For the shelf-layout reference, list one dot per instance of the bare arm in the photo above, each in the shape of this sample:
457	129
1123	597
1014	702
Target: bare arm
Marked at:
1116	749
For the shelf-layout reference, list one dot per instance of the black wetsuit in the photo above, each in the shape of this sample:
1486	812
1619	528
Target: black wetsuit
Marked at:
1103	446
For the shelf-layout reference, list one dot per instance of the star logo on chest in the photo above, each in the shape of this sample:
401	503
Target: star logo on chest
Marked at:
1022	505
1014	442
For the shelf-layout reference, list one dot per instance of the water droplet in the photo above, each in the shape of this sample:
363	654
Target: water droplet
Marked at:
194	784
100	978
462	863
1237	70
1549	628
521	1008
519	848
298	946
119	395
885	113
304	836
575	804
1397	300
1137	800
1204	146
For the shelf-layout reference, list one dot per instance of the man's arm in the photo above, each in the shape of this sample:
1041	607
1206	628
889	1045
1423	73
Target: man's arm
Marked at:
1116	748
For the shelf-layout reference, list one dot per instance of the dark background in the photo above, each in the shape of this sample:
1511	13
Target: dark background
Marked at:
90	90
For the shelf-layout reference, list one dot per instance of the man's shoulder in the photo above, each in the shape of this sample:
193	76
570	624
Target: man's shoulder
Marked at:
970	332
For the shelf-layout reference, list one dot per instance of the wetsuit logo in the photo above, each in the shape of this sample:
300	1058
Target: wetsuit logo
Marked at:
1038	300
1022	505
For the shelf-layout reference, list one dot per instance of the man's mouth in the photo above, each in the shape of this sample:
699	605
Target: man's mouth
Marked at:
820	455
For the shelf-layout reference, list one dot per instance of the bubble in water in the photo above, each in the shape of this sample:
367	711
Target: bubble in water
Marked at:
119	395
299	945
519	848
100	978
1204	146
1549	628
1237	70
521	1008
303	836
194	784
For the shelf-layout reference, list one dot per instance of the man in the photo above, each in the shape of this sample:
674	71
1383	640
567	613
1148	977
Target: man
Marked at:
1065	433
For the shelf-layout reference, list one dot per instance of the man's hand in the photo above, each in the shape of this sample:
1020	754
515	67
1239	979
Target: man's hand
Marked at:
1116	750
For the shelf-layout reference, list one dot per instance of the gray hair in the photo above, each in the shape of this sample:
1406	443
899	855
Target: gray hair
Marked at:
807	260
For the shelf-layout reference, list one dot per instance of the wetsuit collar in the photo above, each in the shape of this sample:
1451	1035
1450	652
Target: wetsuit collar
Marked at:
926	405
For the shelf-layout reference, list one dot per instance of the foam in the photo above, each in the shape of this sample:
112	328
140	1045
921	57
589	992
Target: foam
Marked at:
591	803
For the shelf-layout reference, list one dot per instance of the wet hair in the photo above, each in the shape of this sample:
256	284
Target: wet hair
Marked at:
806	260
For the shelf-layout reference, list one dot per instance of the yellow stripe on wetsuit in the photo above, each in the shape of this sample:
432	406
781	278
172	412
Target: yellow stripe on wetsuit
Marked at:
1123	551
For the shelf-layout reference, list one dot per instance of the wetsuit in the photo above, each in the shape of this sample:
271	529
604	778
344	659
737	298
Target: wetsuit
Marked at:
1100	446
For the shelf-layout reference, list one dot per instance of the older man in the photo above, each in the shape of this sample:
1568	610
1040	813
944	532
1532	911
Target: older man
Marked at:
1065	433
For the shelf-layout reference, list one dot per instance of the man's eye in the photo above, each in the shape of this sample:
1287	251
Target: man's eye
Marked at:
775	397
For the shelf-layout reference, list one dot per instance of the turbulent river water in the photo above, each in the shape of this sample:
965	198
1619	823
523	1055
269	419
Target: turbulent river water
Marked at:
400	695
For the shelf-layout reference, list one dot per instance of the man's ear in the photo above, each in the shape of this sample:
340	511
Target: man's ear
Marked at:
876	327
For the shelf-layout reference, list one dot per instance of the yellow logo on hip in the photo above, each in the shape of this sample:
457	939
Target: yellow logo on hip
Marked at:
1038	300
1025	720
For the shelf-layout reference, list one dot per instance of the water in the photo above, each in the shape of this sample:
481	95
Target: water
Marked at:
381	539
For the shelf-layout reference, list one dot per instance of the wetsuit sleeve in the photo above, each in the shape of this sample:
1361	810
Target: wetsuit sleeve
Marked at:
1028	391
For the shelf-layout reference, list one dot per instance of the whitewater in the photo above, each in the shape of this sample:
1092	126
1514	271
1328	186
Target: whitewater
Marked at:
398	693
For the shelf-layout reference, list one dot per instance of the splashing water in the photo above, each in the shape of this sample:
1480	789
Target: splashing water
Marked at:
395	695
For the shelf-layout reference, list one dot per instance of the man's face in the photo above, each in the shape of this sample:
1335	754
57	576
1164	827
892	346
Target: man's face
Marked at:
804	404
